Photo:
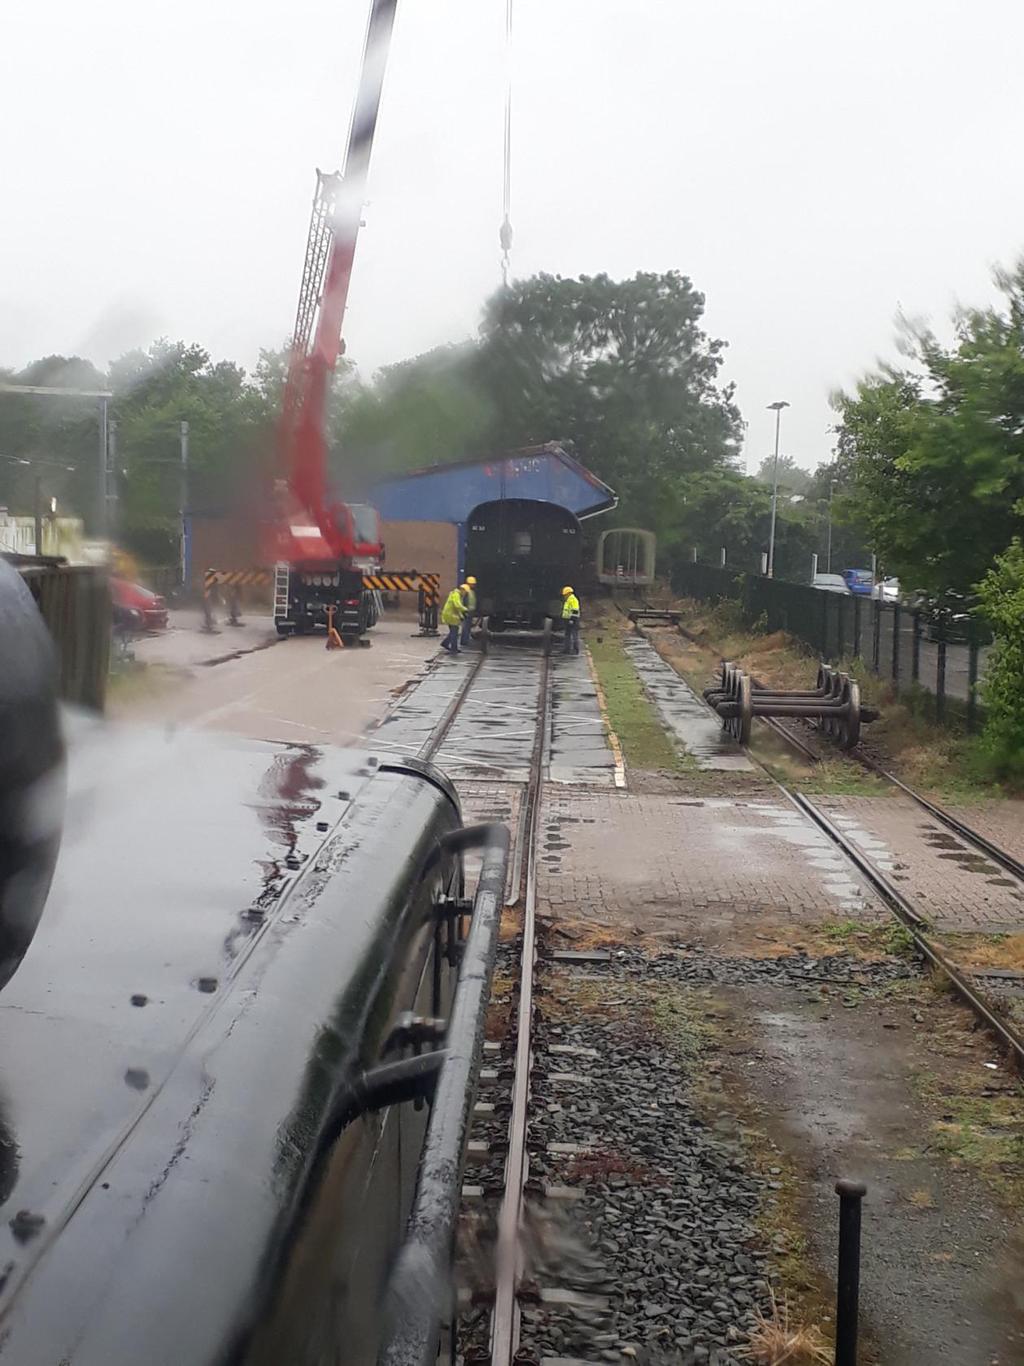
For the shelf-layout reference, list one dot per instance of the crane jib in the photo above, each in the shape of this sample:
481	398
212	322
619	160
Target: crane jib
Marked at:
323	295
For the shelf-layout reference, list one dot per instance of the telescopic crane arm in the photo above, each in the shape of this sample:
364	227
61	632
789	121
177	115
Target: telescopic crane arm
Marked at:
317	340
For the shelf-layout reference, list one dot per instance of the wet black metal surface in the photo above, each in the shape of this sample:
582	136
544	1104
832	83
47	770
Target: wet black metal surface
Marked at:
229	940
421	1293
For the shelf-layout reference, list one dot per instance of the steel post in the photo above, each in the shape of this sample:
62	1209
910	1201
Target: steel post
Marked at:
972	675
850	1193
110	482
101	526
896	646
38	511
183	500
856	628
915	657
824	625
876	636
940	676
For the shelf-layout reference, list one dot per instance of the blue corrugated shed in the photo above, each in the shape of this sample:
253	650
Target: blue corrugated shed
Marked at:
448	493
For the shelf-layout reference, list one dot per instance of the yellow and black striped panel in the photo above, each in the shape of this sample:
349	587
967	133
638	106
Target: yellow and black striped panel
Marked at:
236	578
404	581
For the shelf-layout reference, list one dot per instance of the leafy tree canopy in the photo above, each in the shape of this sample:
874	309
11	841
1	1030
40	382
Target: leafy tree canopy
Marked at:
934	452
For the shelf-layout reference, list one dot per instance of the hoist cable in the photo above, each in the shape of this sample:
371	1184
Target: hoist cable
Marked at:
505	234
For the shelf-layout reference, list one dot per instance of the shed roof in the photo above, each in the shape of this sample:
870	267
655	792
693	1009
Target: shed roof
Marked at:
448	493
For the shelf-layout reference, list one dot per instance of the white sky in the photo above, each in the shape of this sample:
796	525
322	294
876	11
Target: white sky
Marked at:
813	165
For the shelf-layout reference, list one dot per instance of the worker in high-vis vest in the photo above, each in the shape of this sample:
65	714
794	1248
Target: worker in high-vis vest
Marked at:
452	614
469	602
570	621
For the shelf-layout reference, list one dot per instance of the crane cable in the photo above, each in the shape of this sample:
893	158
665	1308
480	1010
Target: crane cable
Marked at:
505	233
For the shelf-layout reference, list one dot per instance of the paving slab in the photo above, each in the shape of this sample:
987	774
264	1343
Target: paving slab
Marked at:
683	713
667	863
579	749
184	645
950	882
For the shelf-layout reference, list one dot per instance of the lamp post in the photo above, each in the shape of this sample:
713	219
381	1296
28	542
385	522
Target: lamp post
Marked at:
776	408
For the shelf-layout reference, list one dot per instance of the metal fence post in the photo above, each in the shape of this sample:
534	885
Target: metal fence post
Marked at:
876	636
896	646
850	1193
940	675
856	628
915	655
840	628
824	624
972	676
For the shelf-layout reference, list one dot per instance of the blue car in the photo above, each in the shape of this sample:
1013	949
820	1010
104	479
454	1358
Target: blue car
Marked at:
859	581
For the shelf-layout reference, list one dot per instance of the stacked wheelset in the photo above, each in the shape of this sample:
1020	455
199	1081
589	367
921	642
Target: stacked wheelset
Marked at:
833	704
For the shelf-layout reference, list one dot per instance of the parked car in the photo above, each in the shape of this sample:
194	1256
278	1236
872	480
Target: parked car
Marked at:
136	608
859	581
888	590
830	583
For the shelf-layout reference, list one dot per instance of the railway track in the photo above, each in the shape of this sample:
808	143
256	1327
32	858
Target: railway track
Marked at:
505	1315
901	905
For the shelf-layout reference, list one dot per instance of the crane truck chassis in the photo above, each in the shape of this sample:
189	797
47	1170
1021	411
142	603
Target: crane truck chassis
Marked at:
303	593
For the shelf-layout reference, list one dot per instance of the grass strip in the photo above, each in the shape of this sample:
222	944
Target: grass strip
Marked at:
645	742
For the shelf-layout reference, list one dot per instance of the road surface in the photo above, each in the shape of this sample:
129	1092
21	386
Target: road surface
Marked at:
293	690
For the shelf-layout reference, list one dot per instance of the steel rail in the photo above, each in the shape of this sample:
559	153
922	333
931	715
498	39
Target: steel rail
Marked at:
1006	860
915	924
505	1316
898	903
437	736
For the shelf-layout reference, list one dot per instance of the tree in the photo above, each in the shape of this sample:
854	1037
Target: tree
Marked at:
792	479
1001	592
624	369
934	454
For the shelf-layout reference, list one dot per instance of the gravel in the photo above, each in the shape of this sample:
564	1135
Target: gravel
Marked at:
664	1227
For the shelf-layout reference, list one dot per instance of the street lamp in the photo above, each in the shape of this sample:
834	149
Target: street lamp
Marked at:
776	408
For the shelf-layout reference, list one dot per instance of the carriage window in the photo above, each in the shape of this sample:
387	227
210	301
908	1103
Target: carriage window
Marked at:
522	543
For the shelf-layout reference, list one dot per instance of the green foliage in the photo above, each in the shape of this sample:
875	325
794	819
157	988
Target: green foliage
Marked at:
792	479
934	454
230	420
1002	599
619	370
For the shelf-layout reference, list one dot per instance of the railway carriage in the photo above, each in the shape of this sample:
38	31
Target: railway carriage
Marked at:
522	552
216	1052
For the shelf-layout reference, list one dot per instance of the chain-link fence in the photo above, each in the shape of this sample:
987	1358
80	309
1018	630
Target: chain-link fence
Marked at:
943	657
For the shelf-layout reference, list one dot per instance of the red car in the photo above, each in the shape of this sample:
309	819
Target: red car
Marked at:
136	608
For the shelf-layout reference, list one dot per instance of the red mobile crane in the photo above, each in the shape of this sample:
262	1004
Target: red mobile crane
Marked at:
321	548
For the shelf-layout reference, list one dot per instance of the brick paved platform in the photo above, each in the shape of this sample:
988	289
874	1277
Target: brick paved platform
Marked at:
950	882
1000	821
667	863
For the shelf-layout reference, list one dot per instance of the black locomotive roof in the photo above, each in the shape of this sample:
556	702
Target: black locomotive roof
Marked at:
219	919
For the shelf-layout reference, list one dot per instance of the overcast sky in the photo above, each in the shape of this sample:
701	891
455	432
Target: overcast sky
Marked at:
813	165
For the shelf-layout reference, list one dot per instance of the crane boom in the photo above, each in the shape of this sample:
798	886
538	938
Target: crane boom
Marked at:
317	339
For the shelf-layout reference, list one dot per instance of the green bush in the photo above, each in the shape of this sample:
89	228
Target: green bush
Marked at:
1002	600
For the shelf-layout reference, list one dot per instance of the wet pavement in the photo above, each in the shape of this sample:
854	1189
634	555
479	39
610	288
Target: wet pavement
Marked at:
950	882
659	863
682	712
837	1084
579	742
296	691
185	645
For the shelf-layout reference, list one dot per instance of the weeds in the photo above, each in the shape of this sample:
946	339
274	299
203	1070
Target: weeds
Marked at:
775	1341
